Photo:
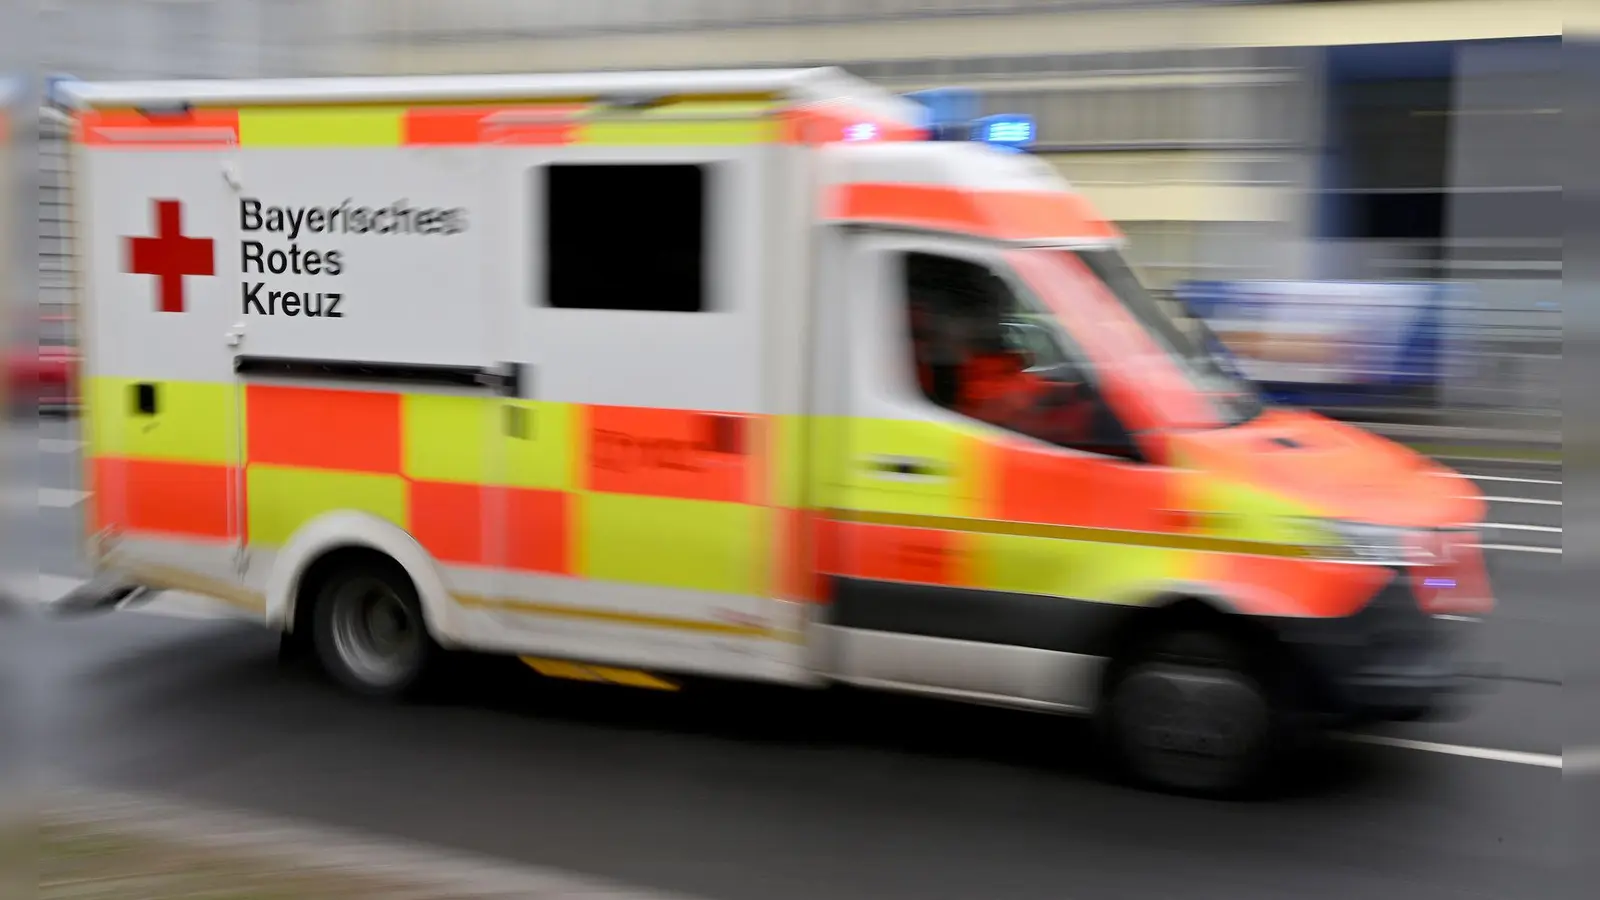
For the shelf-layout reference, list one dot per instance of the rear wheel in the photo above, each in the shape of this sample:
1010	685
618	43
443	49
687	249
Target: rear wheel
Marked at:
1196	712
369	630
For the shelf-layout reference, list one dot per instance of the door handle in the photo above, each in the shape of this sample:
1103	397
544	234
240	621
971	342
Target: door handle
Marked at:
906	468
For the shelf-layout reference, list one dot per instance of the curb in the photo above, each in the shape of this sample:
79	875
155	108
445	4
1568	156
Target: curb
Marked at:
305	847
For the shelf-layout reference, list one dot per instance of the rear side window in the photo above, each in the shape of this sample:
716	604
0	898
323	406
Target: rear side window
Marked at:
626	237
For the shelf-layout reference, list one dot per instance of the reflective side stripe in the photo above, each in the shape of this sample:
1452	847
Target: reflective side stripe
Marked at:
140	496
1033	484
1197	542
670	542
281	499
321	126
132	129
317	428
193	421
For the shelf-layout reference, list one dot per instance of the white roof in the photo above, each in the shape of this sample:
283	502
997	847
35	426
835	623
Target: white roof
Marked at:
815	85
964	165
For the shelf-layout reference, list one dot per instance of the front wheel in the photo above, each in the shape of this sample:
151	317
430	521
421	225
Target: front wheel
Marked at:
1191	713
369	631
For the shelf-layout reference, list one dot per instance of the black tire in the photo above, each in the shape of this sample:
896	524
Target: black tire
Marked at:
369	631
1197	712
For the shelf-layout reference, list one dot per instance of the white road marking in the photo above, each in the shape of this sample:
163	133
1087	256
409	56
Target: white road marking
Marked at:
1519	548
1527	500
1501	478
60	498
1516	757
1542	529
59	445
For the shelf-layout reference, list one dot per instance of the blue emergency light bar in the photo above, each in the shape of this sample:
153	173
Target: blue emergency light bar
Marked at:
1014	132
952	115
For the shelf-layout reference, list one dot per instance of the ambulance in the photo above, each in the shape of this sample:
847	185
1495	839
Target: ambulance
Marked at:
644	377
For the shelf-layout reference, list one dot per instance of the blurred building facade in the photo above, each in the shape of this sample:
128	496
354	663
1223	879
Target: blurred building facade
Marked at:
1346	139
1369	139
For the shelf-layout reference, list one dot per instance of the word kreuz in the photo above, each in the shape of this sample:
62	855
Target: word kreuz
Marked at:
290	303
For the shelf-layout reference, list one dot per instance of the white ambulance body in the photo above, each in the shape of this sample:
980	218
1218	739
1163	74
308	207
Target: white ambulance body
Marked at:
262	290
618	370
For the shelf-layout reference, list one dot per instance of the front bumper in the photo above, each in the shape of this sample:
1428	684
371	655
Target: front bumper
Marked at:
1391	661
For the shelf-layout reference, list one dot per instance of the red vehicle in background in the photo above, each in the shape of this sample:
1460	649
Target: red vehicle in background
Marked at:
42	375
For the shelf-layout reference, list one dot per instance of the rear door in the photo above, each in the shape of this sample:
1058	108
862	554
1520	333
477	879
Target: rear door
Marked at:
160	411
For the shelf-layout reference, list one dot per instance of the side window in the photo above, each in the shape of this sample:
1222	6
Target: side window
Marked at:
626	237
986	353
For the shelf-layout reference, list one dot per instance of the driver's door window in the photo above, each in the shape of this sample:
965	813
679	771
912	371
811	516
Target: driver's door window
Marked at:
982	350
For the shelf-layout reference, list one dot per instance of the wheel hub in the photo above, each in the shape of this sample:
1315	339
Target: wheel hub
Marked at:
375	633
1190	726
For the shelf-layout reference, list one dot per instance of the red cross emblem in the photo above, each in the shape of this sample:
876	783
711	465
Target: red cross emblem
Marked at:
170	256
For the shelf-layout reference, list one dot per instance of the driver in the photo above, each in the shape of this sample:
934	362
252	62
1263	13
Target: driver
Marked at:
995	385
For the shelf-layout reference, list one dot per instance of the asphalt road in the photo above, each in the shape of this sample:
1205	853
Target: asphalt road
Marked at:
742	793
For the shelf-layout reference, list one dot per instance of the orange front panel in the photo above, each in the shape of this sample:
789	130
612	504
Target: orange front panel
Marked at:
539	531
1275	586
164	498
447	519
444	126
1056	487
669	453
1460	584
893	553
324	429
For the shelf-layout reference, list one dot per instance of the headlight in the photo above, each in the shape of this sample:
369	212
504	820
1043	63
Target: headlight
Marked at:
1379	545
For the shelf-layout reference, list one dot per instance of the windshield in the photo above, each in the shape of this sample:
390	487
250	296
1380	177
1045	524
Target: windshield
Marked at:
1097	297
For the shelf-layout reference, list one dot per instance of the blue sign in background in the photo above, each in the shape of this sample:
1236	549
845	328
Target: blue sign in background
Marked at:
1371	362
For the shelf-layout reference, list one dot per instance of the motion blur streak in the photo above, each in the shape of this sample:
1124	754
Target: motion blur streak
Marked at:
1582	367
18	99
1378	209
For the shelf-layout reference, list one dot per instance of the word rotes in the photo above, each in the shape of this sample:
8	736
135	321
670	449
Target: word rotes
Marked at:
398	217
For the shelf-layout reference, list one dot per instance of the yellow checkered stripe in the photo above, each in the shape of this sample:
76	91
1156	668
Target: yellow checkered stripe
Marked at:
534	486
478	481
